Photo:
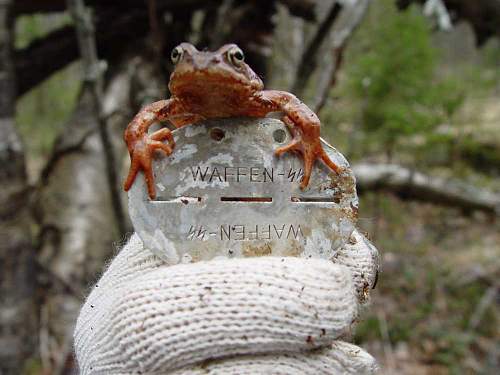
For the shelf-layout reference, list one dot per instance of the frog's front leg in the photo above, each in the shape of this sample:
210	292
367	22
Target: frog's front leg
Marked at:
304	126
141	145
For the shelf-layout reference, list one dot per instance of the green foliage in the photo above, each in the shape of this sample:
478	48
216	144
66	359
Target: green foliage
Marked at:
491	56
393	76
41	112
33	366
31	27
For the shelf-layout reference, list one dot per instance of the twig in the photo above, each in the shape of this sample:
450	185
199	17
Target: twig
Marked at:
328	80
94	82
438	9
486	300
308	61
386	340
349	20
155	28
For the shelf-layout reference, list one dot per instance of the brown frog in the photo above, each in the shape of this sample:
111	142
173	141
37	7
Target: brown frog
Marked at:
218	84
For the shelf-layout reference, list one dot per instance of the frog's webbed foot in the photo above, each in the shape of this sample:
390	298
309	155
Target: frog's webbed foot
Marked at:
311	149
141	155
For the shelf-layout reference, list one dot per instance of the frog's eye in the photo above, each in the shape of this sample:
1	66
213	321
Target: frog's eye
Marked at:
236	56
176	55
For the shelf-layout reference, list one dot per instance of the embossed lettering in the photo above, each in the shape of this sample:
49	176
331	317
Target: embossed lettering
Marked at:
295	233
266	234
294	175
225	233
243	174
199	173
191	233
254	235
267	175
227	172
240	173
215	173
197	232
279	232
254	174
239	232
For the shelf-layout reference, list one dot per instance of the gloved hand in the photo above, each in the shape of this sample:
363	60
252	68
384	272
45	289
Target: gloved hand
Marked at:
265	315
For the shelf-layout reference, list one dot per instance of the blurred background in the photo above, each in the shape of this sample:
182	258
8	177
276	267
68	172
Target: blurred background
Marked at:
408	91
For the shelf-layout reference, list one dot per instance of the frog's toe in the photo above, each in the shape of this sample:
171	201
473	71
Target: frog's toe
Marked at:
326	159
141	159
308	166
132	173
294	145
148	176
157	145
162	135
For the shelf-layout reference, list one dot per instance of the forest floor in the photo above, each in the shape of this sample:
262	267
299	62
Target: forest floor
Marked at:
435	308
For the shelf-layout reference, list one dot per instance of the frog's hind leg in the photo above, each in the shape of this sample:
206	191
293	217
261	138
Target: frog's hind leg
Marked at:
294	145
304	126
297	145
310	151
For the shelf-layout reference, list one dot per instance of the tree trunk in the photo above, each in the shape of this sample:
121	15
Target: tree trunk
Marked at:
75	212
18	327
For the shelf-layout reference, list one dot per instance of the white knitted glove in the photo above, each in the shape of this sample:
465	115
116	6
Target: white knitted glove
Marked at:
264	315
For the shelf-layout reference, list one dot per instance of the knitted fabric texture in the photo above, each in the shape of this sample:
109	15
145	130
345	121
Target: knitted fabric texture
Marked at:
265	315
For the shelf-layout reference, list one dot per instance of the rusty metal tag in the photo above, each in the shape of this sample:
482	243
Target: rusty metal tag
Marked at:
224	193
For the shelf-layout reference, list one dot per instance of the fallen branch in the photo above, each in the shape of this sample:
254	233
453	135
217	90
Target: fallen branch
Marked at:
410	184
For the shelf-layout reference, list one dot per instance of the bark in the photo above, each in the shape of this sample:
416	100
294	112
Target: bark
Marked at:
309	60
301	8
410	184
349	19
94	80
322	56
18	328
77	222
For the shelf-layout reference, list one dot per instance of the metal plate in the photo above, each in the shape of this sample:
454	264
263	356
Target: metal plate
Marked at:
224	193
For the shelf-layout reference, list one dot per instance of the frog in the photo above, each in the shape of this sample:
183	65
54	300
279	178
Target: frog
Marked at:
218	84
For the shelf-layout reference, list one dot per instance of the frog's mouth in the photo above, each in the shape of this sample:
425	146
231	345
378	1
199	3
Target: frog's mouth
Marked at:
206	81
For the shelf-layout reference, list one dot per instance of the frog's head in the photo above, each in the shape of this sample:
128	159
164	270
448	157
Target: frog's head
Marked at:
208	72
